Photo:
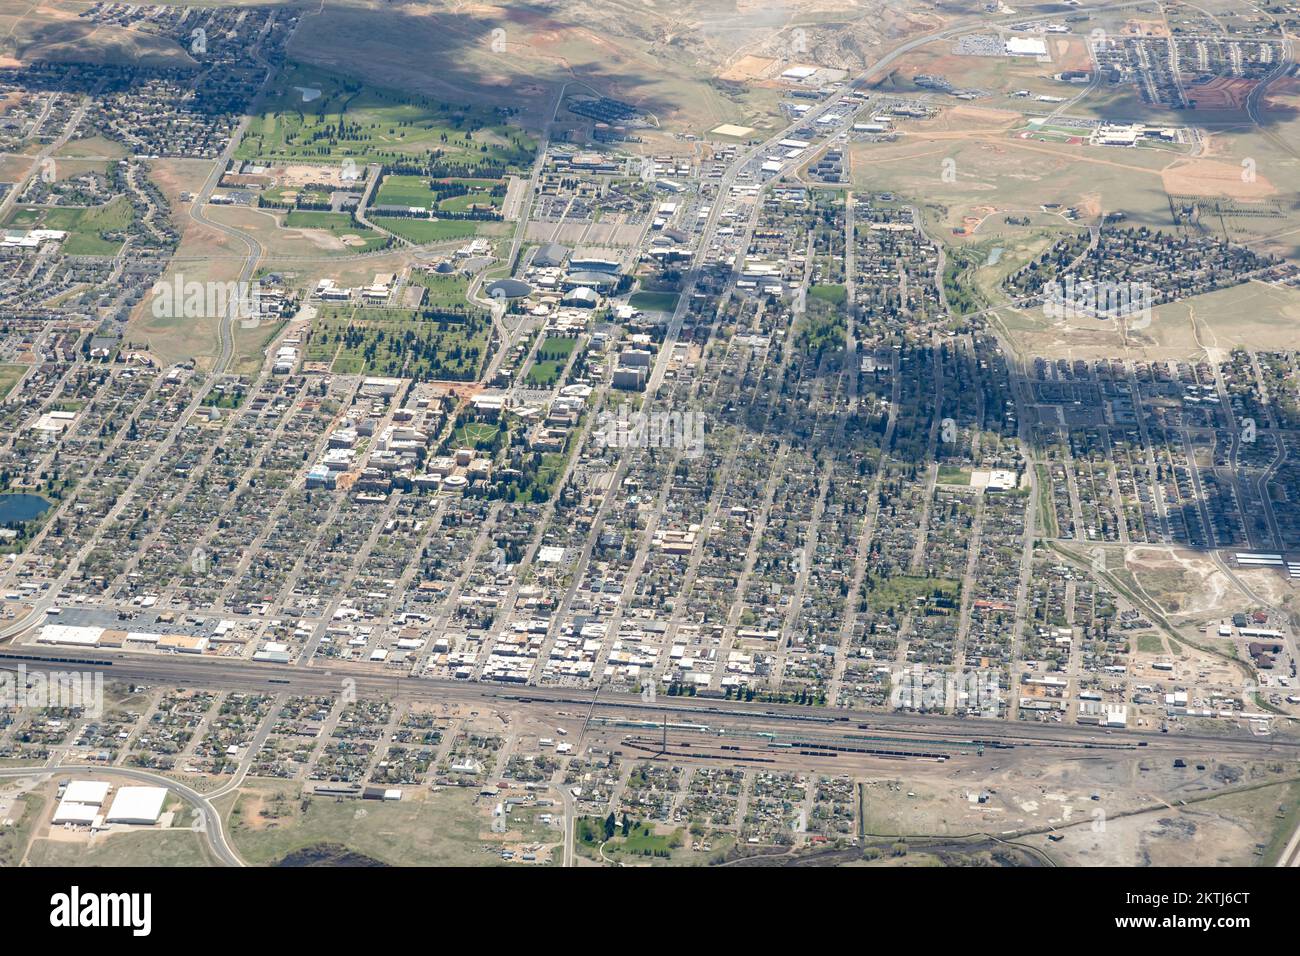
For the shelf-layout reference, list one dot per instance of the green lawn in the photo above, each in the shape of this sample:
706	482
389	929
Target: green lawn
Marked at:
421	191
475	435
445	291
337	223
552	355
352	120
421	231
405	191
952	475
654	301
543	374
9	376
834	294
86	225
424	345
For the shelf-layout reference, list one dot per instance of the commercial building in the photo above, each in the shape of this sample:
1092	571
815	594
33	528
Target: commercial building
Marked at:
141	806
1026	46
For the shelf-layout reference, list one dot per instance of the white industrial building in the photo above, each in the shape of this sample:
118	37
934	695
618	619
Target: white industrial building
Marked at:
91	792
1026	46
76	814
138	805
72	634
81	802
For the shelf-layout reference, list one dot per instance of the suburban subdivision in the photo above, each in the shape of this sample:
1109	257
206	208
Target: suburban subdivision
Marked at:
643	434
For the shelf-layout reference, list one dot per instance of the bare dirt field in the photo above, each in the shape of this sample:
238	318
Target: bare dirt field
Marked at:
1221	93
1183	582
1252	315
749	68
1208	177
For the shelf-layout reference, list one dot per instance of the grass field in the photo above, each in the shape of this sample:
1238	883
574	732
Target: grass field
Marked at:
440	828
552	356
421	231
86	225
477	435
350	120
141	848
544	374
951	475
338	224
9	376
401	342
405	191
1150	644
444	291
653	301
836	295
27	810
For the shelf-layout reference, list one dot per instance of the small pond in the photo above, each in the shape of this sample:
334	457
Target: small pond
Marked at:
19	508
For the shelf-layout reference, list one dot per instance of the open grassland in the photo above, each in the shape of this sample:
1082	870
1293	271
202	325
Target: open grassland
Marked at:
52	31
1252	315
357	238
14	840
300	233
319	116
175	339
250	346
676	62
9	376
269	821
1245	828
90	228
995	174
141	848
92	147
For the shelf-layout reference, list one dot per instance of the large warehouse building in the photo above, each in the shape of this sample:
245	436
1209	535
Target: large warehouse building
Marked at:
138	805
81	802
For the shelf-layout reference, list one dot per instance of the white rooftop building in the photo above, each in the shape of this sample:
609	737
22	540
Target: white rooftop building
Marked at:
1026	46
138	805
90	792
